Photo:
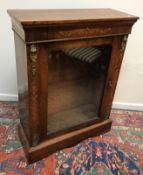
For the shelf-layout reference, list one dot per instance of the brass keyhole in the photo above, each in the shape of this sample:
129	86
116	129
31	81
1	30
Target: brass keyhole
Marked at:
110	83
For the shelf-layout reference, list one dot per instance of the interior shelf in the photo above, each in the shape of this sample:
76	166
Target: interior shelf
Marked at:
71	117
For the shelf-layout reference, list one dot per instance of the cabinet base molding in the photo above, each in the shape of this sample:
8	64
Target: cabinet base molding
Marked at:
49	146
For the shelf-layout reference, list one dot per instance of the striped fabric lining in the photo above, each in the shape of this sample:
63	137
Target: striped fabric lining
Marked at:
87	54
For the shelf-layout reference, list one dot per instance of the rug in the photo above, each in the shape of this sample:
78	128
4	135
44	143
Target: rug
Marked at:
118	152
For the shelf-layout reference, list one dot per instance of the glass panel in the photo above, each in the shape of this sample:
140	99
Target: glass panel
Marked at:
76	78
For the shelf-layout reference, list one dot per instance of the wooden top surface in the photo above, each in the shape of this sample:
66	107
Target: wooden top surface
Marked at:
53	16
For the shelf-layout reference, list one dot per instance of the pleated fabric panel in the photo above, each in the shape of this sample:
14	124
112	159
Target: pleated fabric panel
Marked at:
87	54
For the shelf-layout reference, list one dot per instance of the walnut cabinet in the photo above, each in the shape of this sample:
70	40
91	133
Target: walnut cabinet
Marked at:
68	63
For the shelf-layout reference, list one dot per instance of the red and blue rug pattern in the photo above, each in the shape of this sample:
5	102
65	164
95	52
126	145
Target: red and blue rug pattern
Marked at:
118	152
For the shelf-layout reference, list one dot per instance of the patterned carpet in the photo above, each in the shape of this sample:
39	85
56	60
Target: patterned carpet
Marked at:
118	152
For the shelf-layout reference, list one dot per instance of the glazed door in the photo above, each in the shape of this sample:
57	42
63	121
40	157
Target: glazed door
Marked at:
76	82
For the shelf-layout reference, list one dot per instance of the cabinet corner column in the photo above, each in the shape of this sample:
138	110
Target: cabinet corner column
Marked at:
37	87
118	49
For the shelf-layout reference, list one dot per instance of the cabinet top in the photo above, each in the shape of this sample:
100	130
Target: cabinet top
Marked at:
52	16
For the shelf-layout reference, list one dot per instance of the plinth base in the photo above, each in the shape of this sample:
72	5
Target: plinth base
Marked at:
49	146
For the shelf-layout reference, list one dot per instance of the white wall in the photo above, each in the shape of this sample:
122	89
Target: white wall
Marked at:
129	92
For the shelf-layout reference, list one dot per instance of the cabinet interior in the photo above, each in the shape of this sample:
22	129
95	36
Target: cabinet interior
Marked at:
76	79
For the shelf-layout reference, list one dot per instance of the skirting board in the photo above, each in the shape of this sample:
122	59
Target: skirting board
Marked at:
127	106
8	97
116	105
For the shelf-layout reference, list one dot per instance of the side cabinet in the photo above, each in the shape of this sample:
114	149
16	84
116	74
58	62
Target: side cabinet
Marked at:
68	63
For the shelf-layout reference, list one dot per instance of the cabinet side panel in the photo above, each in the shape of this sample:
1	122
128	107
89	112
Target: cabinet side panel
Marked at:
21	63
